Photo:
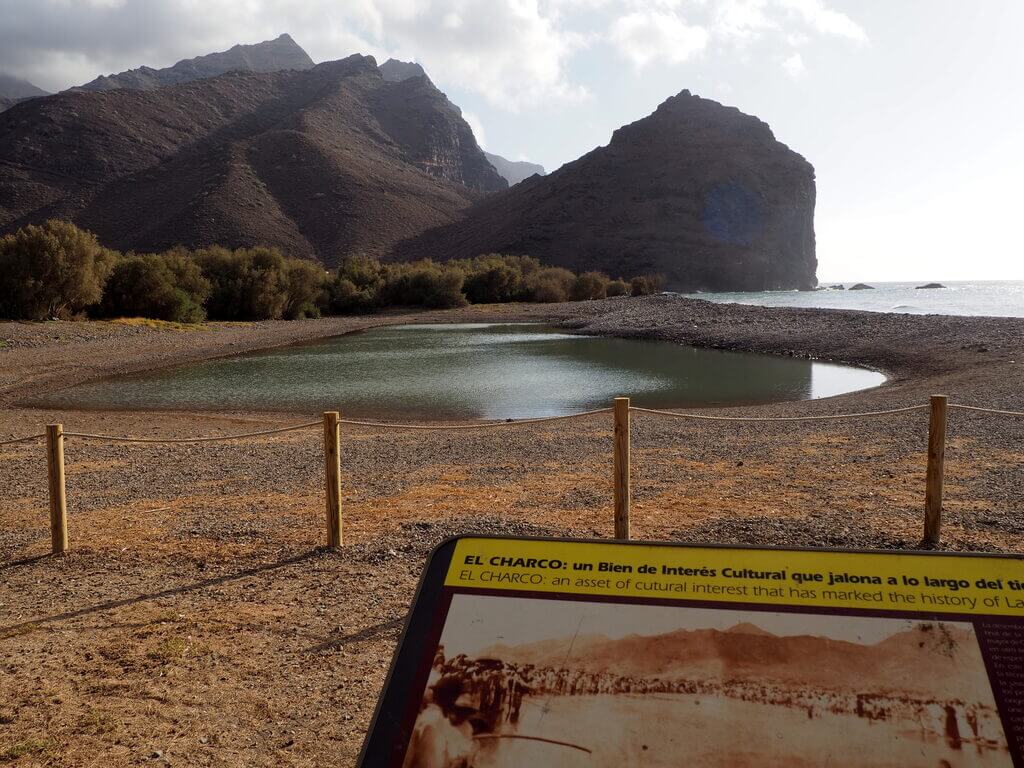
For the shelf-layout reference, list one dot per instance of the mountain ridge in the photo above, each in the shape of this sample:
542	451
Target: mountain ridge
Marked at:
15	89
275	55
514	171
318	162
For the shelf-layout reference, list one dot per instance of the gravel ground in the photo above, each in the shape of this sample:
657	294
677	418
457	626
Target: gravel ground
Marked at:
196	622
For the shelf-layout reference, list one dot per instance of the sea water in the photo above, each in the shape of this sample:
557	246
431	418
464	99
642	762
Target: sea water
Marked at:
984	298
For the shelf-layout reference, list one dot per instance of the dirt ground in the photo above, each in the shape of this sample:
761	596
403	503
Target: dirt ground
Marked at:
197	621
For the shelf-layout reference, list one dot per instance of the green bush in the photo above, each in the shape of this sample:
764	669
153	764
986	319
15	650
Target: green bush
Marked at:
590	285
165	286
548	285
247	284
422	283
491	280
355	287
644	285
51	270
307	284
618	287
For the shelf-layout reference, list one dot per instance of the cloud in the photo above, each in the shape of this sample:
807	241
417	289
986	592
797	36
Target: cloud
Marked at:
477	126
515	54
742	19
644	37
825	20
794	65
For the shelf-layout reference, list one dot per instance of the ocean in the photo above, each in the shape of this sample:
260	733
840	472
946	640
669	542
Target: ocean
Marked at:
1004	298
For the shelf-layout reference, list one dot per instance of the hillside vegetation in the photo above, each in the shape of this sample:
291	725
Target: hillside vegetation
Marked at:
57	270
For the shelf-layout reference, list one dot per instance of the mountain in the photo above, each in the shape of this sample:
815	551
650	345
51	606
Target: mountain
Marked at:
395	71
268	56
513	171
317	162
13	90
698	192
16	88
931	659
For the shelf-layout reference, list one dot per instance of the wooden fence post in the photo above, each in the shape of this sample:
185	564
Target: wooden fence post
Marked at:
936	464
58	494
621	468
332	477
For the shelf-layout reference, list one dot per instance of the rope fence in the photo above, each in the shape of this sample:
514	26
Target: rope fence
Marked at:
834	417
176	440
938	407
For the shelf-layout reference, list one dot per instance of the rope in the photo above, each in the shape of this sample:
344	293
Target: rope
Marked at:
487	425
986	410
22	440
481	425
864	414
116	439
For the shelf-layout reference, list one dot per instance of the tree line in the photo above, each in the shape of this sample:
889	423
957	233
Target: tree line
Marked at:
56	270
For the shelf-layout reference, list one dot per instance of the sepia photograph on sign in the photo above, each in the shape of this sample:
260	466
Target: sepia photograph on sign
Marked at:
539	682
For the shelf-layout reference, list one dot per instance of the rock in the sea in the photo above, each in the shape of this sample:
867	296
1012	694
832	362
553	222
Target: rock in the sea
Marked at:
929	286
837	287
862	287
697	192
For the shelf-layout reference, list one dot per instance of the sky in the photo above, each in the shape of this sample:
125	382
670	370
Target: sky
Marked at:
910	110
476	623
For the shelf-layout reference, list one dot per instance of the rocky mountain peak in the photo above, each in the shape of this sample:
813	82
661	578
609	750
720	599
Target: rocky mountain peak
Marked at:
395	71
698	192
281	53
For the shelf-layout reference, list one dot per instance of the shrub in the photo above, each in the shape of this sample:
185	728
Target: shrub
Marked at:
590	285
364	272
247	284
618	287
549	284
51	270
422	283
356	285
306	285
491	280
644	285
166	286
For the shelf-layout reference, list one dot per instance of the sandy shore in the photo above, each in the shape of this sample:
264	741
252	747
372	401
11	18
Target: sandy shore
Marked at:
195	622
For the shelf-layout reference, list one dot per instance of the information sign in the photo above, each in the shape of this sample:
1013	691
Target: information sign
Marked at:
539	652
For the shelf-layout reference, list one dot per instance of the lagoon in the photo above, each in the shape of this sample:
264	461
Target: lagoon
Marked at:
472	371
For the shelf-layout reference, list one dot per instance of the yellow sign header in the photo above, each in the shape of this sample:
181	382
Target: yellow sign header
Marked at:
886	581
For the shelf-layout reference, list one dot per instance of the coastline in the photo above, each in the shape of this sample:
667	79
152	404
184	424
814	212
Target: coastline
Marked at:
196	600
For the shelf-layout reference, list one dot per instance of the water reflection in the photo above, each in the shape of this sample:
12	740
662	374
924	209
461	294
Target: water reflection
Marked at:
474	371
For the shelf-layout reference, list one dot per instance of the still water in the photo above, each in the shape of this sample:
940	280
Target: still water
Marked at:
473	371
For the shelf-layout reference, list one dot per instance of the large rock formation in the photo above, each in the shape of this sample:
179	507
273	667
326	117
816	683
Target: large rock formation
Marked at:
394	71
698	192
269	56
14	89
513	171
318	162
